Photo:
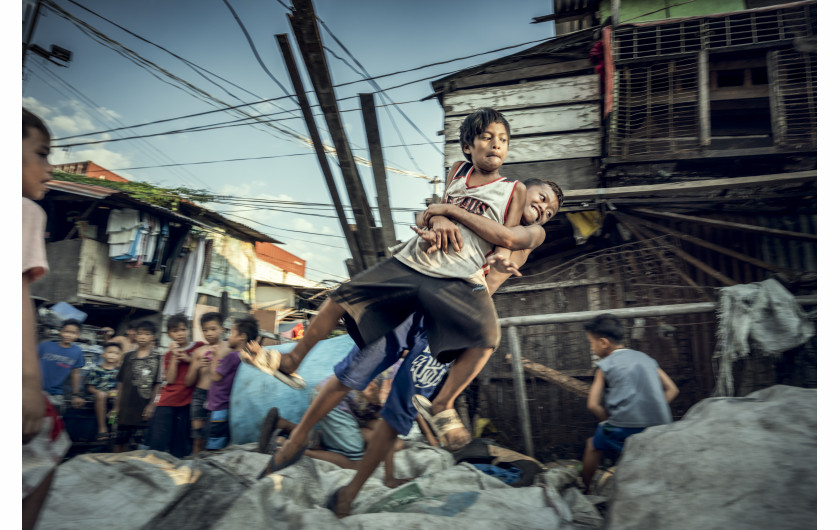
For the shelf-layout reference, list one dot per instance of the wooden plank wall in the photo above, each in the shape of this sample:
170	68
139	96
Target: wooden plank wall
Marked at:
555	126
682	345
102	279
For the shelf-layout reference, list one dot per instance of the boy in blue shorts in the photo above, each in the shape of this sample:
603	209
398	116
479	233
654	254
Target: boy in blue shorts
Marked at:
448	288
635	392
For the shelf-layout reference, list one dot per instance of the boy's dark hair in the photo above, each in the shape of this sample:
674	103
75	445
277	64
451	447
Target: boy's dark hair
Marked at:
109	344
249	326
552	185
131	325
207	317
173	321
31	120
146	325
474	124
606	326
72	322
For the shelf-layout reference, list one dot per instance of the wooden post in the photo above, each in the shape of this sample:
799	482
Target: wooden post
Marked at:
305	26
378	165
551	375
303	102
714	273
519	388
662	257
703	243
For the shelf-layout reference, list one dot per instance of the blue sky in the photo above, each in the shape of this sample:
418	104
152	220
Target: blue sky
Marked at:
101	89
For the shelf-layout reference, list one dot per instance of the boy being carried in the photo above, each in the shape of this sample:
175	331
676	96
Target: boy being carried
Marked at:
101	381
170	427
420	372
223	369
449	289
635	392
199	373
138	382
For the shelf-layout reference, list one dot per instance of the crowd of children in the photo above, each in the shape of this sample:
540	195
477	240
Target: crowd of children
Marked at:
174	401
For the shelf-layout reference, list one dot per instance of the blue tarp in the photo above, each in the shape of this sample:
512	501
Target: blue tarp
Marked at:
255	392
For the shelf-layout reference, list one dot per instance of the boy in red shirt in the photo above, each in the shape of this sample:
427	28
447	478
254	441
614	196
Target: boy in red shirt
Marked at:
170	427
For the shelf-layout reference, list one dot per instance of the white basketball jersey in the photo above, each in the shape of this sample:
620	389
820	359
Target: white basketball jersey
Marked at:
491	200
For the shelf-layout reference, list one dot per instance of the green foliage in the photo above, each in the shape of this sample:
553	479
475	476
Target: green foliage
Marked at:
165	197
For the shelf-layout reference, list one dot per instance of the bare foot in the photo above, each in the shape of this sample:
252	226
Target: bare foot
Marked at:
340	504
396	482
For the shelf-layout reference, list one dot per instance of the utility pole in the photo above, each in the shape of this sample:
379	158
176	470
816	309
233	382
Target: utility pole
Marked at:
303	102
31	31
305	26
378	164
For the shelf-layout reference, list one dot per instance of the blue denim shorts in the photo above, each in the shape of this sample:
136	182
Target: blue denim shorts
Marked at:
611	438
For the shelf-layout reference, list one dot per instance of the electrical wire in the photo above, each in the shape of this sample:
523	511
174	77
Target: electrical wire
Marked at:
143	146
240	159
254	48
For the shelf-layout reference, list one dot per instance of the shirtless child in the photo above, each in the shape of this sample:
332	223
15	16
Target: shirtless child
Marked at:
199	373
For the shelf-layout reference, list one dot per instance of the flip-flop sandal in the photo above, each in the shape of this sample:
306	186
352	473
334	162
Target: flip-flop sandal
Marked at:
267	430
103	436
293	380
441	423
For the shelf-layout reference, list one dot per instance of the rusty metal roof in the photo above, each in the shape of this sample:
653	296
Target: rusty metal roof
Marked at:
101	192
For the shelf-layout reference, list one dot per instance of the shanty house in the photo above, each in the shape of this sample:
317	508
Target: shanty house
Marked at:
684	138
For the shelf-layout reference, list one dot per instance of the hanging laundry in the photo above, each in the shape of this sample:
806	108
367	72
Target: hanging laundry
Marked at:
182	294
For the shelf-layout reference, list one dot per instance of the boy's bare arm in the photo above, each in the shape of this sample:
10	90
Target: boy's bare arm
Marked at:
194	370
514	237
214	375
596	393
668	385
33	400
500	272
149	410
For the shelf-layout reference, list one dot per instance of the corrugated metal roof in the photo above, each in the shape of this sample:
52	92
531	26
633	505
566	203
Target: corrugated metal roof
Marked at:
193	210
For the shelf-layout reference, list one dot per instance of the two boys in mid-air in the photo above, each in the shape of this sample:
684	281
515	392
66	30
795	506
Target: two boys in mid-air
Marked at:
441	296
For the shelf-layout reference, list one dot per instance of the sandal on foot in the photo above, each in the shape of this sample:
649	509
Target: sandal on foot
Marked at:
441	423
267	430
293	380
103	436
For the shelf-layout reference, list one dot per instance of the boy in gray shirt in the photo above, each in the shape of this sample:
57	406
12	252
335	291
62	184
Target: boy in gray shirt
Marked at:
634	390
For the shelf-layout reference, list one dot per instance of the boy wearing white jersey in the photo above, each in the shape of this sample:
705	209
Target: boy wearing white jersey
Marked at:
448	288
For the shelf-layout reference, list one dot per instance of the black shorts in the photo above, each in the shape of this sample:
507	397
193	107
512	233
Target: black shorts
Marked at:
458	314
197	410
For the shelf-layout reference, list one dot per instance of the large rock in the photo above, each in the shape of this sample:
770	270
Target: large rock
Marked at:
730	463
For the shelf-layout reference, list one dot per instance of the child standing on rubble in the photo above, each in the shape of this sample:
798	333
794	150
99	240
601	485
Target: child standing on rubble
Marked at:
199	373
138	383
169	429
222	371
635	392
